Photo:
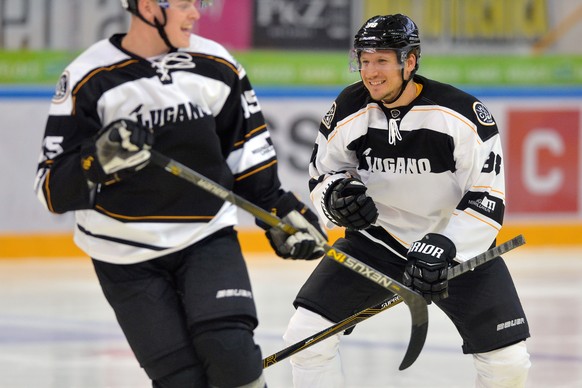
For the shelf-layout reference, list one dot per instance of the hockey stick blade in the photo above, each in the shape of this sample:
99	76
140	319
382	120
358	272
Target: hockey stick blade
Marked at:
353	320
416	303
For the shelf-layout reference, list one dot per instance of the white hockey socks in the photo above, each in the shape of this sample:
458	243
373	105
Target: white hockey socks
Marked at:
318	366
502	368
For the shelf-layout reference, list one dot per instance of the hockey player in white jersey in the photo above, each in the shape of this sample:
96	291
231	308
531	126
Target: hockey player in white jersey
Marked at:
413	169
165	252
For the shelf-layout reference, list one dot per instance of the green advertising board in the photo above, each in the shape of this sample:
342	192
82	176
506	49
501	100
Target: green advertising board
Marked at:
32	67
306	68
302	68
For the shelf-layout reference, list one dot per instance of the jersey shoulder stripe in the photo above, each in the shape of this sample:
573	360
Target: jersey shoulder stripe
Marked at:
448	96
209	47
92	81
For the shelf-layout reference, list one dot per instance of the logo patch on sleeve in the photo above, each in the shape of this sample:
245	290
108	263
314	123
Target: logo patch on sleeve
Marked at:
62	88
328	118
483	114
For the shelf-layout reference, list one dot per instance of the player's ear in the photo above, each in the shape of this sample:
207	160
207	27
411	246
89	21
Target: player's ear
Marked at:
147	8
411	61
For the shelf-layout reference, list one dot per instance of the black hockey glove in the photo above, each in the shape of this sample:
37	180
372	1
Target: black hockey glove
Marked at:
303	245
119	149
428	262
345	203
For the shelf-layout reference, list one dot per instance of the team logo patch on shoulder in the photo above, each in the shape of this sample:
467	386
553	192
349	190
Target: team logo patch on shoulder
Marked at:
62	88
328	118
483	114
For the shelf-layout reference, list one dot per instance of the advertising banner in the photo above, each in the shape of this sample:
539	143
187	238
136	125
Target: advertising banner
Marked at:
230	25
302	24
446	27
544	171
300	68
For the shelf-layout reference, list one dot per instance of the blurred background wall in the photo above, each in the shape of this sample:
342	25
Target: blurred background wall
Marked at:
523	58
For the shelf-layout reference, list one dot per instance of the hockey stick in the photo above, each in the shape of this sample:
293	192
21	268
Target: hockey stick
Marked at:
353	320
416	303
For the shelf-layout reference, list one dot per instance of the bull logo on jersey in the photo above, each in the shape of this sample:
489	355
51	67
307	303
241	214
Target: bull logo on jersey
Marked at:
483	115
62	89
328	118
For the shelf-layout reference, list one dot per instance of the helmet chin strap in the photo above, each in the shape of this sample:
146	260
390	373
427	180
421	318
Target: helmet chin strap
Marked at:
404	83
160	27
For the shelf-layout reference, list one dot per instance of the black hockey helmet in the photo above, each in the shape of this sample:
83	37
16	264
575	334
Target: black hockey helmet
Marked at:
390	32
130	5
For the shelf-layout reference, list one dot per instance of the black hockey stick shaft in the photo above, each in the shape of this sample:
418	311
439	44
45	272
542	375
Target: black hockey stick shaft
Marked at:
339	327
353	320
416	303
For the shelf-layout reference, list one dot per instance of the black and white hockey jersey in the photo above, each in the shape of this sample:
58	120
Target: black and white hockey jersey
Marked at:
433	166
204	114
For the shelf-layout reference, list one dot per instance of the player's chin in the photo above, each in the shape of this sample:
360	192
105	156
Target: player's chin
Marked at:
181	40
384	95
377	92
380	96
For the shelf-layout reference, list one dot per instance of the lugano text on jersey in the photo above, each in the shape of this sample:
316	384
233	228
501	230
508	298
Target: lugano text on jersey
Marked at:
397	165
171	114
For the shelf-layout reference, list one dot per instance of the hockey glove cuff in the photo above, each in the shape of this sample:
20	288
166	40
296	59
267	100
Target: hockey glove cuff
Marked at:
307	243
427	267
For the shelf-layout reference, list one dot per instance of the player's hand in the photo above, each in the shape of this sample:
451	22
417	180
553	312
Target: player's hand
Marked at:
121	147
346	204
428	263
307	243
